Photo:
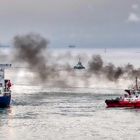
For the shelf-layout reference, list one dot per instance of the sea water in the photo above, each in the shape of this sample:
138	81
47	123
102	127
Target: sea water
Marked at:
65	115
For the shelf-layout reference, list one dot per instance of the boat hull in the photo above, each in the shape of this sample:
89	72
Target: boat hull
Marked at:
5	101
115	103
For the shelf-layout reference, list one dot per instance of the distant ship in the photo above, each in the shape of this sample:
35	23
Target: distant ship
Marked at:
130	99
79	65
72	46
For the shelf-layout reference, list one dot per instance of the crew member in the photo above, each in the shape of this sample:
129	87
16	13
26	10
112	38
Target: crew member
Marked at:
8	85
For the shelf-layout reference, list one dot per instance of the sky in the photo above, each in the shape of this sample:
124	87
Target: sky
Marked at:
83	23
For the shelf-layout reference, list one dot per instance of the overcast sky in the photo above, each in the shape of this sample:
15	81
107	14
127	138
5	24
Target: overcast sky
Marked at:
84	23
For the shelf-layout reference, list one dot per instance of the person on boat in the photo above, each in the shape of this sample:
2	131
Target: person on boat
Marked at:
126	95
8	85
133	91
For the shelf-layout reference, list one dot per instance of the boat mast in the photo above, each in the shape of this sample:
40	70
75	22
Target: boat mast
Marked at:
136	83
79	59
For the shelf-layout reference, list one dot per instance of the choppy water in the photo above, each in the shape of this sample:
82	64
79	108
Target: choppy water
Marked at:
45	115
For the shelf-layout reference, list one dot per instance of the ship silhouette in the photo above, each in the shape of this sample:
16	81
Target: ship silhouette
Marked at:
79	65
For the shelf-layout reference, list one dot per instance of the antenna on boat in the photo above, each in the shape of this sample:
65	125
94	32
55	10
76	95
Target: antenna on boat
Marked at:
79	58
136	83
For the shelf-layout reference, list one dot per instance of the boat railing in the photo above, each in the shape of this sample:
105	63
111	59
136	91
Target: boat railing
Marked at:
7	93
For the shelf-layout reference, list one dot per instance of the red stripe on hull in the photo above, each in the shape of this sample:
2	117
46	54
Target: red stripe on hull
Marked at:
137	104
124	104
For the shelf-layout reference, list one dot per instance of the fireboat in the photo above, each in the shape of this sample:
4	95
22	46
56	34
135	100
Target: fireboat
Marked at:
130	99
5	84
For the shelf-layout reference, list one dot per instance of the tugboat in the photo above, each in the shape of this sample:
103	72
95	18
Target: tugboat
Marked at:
79	65
130	99
5	84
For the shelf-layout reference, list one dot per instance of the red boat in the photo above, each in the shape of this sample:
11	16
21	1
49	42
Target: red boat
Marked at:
130	99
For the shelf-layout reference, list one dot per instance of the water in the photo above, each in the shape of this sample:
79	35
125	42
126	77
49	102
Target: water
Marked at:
66	114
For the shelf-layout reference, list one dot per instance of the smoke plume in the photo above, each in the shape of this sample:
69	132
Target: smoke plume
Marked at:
32	50
97	66
29	48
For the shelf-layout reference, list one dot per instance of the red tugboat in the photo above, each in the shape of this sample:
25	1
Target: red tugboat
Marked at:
130	99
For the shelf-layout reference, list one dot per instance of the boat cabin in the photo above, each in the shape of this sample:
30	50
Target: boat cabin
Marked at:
5	84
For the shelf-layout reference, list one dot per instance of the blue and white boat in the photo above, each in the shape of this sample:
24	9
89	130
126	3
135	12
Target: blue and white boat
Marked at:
5	84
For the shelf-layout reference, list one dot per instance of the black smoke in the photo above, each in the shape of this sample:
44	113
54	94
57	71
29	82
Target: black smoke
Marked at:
98	67
96	64
30	48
